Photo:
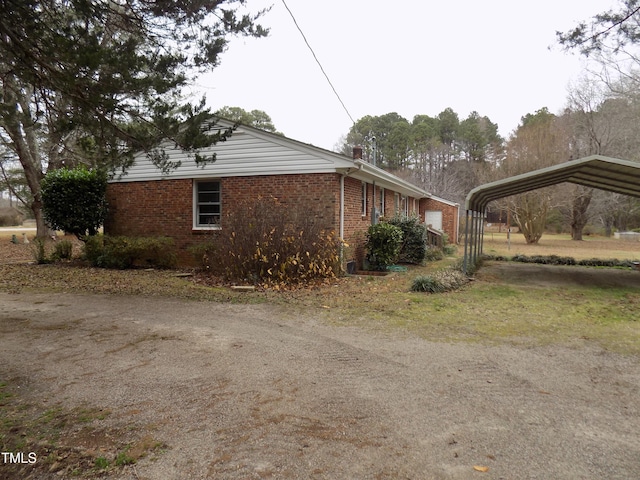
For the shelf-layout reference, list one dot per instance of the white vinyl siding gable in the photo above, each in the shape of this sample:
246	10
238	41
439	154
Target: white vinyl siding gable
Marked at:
245	153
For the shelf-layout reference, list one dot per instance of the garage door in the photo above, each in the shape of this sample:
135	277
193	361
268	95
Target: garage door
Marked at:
433	218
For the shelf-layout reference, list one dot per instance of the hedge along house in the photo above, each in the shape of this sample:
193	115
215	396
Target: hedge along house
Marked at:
190	202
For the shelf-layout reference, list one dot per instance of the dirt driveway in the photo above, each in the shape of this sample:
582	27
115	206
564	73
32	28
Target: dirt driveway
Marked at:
238	392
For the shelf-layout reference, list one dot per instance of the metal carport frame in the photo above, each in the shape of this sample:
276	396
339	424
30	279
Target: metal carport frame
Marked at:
596	171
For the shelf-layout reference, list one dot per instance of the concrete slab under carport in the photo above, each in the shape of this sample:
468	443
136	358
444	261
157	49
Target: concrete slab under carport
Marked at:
537	275
595	171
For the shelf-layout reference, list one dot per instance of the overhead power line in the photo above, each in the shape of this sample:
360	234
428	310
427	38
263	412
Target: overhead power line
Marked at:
317	61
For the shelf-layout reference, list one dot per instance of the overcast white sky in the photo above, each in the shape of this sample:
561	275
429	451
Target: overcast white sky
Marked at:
407	56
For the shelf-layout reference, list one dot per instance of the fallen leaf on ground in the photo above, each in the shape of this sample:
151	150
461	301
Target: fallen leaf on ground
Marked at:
479	468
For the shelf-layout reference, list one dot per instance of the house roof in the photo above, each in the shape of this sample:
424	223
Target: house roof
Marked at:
597	171
250	151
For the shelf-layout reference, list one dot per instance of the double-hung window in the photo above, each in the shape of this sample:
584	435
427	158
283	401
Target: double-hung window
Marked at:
207	204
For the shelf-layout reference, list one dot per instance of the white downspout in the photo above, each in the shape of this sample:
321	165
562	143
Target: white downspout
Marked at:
342	205
342	177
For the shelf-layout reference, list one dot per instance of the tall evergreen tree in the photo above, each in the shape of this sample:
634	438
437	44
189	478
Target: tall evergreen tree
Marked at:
95	81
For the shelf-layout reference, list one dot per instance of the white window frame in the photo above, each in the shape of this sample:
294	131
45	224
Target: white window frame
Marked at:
196	205
404	205
381	202
364	199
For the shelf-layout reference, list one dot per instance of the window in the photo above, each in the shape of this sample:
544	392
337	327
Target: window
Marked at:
404	206
207	204
364	199
382	202
396	203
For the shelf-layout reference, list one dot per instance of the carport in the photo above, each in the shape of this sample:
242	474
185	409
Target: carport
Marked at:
596	171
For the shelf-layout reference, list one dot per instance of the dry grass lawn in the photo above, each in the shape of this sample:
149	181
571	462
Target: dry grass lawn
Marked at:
562	245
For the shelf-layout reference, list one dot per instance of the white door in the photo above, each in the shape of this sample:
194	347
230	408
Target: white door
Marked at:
433	218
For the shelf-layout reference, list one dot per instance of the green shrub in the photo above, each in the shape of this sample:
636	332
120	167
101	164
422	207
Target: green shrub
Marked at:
39	251
74	200
203	253
414	239
612	262
557	260
383	245
127	252
123	458
449	250
62	250
433	254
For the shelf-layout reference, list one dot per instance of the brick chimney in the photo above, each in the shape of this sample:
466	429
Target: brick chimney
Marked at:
357	152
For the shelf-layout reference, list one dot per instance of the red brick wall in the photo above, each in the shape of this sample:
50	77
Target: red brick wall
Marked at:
165	207
356	225
450	219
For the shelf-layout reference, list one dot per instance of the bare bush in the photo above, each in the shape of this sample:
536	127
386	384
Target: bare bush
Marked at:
269	242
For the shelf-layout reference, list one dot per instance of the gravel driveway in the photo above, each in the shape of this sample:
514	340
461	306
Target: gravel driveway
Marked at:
244	391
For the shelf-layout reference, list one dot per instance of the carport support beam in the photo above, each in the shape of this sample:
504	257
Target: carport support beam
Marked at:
474	255
481	234
465	260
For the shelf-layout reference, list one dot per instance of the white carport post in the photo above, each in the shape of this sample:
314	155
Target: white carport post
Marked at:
480	233
474	241
465	259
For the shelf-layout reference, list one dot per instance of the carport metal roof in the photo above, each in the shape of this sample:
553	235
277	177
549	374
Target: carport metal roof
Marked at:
597	171
604	173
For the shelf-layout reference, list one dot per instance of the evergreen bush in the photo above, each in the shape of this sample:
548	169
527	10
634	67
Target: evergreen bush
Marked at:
433	254
122	252
383	245
414	239
62	250
74	200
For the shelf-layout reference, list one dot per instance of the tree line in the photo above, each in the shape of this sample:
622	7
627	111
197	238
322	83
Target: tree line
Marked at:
95	82
448	156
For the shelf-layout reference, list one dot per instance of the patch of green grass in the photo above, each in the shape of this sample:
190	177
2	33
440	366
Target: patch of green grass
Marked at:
488	311
88	415
494	314
124	459
26	427
4	393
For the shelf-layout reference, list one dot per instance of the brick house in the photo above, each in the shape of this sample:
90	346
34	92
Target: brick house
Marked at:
191	201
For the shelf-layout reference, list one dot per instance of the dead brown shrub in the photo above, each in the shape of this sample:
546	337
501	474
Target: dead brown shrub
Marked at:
268	242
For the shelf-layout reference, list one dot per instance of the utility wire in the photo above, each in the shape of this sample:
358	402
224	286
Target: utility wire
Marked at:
317	61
